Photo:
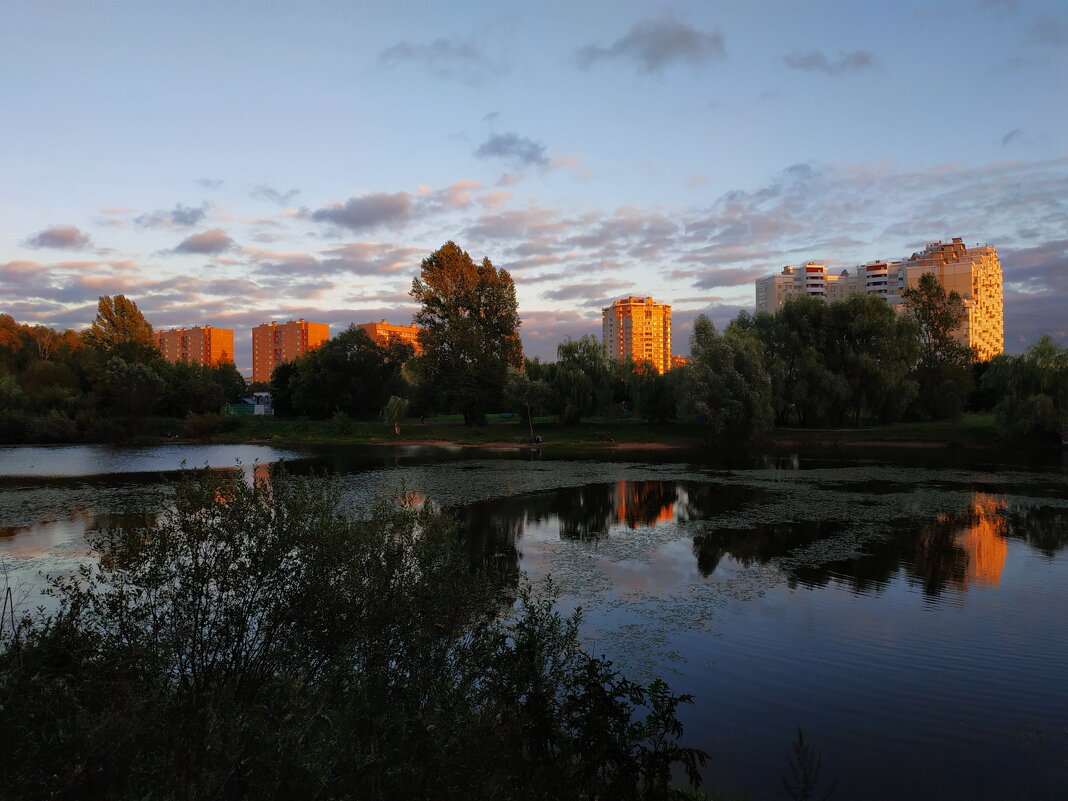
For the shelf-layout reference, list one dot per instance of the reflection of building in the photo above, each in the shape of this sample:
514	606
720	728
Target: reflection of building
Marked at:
645	503
974	273
638	329
273	344
383	333
201	345
984	540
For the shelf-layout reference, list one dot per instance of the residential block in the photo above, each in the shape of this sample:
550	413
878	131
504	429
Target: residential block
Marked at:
199	344
973	272
383	333
638	329
274	343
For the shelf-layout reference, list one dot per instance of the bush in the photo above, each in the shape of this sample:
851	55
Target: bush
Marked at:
256	642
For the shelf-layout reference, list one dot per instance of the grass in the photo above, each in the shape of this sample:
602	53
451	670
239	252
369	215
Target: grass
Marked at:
451	429
975	430
972	429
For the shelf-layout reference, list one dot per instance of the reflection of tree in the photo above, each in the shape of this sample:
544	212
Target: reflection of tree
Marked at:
1044	528
703	500
755	546
491	530
955	549
586	512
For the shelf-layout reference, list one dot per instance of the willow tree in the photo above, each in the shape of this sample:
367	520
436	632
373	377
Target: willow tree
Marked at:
469	332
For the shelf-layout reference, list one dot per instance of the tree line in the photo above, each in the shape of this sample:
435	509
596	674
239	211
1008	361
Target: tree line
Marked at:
102	384
808	364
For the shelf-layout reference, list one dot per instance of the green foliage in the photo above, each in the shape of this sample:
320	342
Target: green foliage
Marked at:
1031	391
120	329
806	765
943	372
654	395
582	381
393	412
528	394
253	641
728	384
350	373
469	323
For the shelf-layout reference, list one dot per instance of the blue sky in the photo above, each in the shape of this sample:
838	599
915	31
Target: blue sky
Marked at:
229	163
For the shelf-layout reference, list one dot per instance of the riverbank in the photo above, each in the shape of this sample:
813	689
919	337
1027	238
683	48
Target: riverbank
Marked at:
969	431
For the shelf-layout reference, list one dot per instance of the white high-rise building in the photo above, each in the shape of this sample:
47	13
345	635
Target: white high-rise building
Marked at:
974	273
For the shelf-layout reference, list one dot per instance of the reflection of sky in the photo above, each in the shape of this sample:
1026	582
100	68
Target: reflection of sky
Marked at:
898	686
92	460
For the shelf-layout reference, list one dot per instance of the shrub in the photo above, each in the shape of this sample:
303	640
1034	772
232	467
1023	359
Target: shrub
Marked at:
258	642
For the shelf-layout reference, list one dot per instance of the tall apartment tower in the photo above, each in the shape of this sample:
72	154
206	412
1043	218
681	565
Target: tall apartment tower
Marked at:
273	344
638	329
201	345
974	273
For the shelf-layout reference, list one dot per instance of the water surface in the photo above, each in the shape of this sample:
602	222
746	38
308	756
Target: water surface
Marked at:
908	617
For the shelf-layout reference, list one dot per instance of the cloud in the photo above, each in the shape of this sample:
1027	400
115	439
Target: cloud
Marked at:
272	195
209	183
815	61
654	44
592	293
1050	31
515	149
178	217
59	237
1011	136
367	211
207	243
354	258
444	58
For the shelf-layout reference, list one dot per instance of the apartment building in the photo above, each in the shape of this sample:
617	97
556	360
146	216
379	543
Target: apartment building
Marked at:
383	333
199	344
638	329
974	273
274	343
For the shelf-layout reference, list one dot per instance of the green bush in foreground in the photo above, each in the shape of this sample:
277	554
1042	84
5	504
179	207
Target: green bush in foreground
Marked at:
257	642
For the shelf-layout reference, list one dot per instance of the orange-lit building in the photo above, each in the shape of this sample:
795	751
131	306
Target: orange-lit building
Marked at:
383	333
972	272
201	345
638	329
273	344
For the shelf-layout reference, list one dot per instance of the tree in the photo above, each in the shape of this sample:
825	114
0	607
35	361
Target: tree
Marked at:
394	412
469	323
350	373
728	384
944	368
527	394
1031	391
121	330
582	385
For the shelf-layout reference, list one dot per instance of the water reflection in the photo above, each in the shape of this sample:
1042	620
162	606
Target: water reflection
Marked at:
38	539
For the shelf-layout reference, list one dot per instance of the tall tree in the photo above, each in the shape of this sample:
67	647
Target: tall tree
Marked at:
121	330
1031	391
469	322
728	383
944	369
582	385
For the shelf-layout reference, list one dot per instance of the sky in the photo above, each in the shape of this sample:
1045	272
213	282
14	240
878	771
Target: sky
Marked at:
230	163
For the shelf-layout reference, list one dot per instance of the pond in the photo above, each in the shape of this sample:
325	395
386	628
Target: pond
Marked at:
905	611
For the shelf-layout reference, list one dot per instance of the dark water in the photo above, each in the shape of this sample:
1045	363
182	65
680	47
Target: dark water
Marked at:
906	611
